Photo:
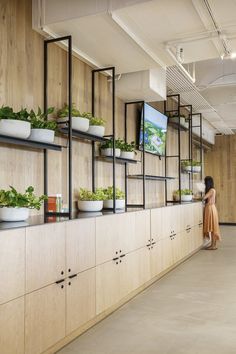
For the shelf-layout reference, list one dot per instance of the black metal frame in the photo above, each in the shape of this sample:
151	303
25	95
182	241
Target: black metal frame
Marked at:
190	140
201	140
67	39
112	136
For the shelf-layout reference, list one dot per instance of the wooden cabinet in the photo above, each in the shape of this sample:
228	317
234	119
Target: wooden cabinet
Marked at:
12	317
12	264
45	318
80	300
80	245
187	216
115	235
142	228
158	229
157	258
45	255
171	220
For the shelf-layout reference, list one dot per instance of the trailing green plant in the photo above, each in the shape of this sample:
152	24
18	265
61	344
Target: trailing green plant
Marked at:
7	112
183	192
196	163
186	163
39	120
87	115
97	121
64	111
108	192
129	147
108	144
11	198
87	195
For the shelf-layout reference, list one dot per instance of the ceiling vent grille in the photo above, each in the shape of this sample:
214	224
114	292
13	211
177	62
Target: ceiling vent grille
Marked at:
177	82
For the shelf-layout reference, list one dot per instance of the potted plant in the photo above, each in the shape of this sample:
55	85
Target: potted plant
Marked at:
80	121
182	120
196	166
186	166
107	148
108	201
15	206
90	201
96	126
185	194
41	129
14	124
128	150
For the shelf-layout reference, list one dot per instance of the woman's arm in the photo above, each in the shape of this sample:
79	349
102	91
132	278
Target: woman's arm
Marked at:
208	194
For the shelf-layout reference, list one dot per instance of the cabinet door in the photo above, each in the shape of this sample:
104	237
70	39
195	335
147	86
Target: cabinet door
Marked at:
80	300
107	285
12	264
171	220
167	252
115	234
187	216
12	327
142	228
45	255
157	258
158	229
80	245
45	318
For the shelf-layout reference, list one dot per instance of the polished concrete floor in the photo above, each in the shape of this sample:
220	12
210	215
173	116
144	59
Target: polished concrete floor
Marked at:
189	311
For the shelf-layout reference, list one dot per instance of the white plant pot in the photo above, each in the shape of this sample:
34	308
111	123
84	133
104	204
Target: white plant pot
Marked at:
89	205
186	198
97	130
78	123
109	152
14	214
127	155
197	169
15	128
42	135
187	168
108	204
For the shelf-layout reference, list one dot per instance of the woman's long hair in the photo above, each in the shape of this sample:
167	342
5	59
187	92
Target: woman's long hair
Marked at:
209	183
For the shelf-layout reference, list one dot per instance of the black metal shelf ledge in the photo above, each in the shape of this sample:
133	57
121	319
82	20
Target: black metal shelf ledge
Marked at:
29	143
82	135
120	160
150	177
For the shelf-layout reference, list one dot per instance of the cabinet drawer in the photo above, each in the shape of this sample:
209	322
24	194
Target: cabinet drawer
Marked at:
12	264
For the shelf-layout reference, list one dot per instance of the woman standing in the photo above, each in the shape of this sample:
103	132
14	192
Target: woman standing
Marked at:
210	220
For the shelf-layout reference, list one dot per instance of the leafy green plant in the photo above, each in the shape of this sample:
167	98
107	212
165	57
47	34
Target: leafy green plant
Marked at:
87	115
64	112
11	198
129	147
38	120
183	192
196	163
87	195
7	112
108	192
108	144
186	163
97	121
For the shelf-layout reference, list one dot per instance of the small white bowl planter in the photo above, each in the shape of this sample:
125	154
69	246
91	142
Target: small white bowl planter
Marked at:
187	168
90	205
13	214
197	169
97	130
78	123
109	152
186	198
108	204
42	135
15	128
127	155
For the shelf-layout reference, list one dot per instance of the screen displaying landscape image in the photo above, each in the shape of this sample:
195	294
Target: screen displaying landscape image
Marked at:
155	126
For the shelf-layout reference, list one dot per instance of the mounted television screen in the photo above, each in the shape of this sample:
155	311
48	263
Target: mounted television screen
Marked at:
155	128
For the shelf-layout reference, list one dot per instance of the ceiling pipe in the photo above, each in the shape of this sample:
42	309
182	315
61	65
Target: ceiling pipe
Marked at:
182	68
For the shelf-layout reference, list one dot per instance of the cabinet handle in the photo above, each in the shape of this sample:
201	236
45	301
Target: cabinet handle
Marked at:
149	244
122	255
153	243
188	229
115	259
72	276
60	281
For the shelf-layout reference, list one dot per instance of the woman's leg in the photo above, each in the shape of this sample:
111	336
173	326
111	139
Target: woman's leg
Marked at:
213	242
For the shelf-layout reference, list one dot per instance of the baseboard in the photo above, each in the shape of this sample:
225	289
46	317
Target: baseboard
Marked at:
228	223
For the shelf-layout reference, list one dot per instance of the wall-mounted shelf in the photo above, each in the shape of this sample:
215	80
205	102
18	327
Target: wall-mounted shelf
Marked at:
120	160
150	177
177	126
82	135
29	143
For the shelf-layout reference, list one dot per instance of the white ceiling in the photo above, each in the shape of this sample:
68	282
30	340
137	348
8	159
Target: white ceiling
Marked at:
134	35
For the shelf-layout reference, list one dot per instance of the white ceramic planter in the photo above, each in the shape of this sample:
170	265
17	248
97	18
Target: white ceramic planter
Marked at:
15	128
187	168
88	205
97	130
13	214
186	198
127	155
42	135
109	152
108	204
197	169
78	123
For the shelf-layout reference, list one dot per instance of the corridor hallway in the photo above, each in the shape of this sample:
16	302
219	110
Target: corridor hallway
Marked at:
191	310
